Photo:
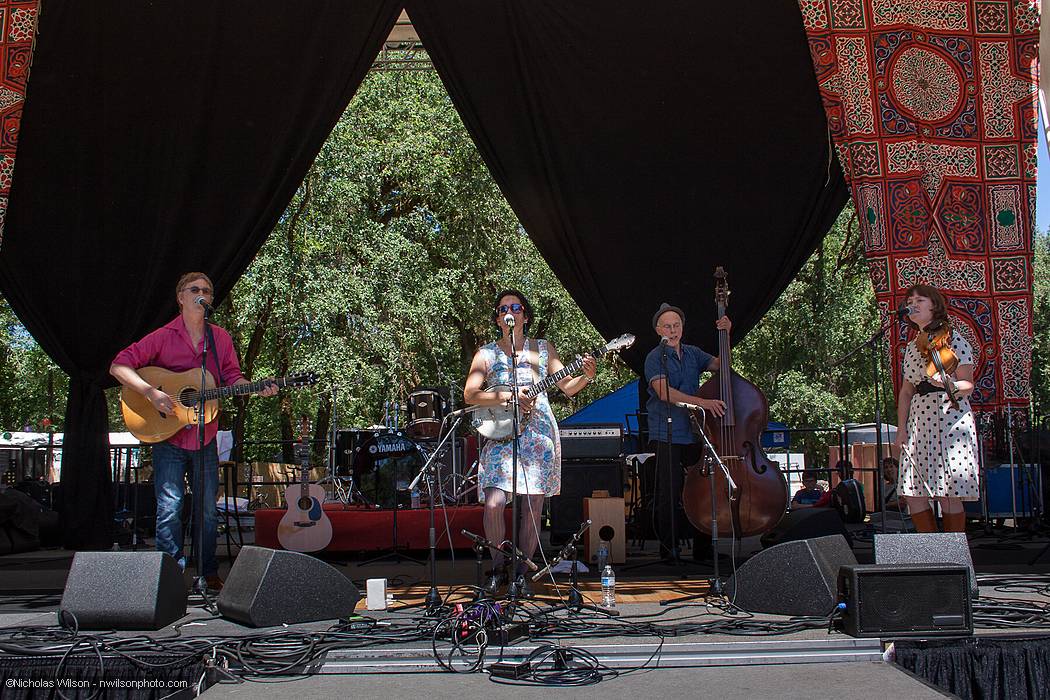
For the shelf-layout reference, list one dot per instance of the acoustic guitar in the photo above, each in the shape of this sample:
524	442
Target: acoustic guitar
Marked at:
149	425
497	422
305	527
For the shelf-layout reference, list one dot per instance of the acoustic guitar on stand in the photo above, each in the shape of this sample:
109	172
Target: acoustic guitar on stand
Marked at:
149	425
305	527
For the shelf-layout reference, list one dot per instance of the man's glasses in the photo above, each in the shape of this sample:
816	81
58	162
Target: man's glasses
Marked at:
198	290
508	308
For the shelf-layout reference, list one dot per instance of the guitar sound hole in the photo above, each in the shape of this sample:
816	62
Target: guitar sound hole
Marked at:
188	397
305	503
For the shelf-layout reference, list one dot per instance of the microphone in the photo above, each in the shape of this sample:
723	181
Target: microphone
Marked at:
664	340
469	409
479	540
904	310
565	551
690	406
509	320
207	307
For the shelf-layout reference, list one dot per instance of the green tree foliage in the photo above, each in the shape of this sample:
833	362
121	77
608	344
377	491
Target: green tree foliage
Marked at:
381	272
32	387
807	353
1041	325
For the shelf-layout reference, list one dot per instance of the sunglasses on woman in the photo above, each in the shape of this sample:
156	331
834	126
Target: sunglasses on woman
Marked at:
510	308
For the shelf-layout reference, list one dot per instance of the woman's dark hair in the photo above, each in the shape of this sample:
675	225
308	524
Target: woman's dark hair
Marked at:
940	304
521	297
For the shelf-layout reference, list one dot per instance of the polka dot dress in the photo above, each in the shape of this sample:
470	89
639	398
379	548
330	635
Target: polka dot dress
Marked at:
941	457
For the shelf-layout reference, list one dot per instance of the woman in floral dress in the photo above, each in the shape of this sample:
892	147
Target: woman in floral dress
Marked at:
539	450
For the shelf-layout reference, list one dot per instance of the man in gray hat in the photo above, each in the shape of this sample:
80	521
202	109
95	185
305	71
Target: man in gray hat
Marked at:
672	373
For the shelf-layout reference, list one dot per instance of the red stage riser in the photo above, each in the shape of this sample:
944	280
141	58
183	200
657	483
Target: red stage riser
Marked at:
356	529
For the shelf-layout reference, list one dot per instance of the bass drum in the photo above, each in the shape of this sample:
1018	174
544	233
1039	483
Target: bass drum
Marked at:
426	410
384	466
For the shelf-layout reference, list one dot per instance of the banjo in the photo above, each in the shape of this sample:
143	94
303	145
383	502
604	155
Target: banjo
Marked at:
496	422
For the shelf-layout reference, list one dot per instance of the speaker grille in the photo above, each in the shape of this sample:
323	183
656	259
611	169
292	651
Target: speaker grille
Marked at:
927	599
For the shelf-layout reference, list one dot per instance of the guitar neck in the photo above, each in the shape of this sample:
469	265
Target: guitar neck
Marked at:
566	371
225	392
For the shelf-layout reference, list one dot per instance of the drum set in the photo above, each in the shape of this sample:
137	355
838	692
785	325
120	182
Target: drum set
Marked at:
376	466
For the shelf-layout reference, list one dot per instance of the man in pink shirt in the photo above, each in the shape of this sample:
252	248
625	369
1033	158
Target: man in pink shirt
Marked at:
177	346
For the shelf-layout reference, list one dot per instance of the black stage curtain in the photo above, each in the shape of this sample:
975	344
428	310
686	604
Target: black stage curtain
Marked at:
159	138
643	143
990	668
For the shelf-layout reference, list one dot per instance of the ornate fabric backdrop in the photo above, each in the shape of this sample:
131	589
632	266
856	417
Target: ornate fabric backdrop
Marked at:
18	24
932	107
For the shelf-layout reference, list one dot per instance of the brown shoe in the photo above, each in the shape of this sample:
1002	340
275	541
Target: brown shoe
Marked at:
214	582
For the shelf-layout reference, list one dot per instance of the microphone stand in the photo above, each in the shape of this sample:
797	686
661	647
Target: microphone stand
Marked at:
433	598
712	458
199	583
514	587
574	602
875	344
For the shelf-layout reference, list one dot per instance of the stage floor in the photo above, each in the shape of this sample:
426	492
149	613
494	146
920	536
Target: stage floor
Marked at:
800	663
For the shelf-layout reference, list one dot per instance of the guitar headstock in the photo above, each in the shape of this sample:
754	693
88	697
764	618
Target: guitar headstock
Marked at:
721	291
301	379
617	344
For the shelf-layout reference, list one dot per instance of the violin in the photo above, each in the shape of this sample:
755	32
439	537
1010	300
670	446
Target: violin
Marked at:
935	347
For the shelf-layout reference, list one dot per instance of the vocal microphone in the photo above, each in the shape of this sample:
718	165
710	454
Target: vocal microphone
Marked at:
905	310
509	320
664	340
565	551
207	307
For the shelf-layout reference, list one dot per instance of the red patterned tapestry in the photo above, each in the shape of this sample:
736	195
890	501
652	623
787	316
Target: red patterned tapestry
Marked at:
932	108
18	21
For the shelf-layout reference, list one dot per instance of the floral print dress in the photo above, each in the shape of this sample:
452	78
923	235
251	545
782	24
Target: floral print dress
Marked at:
539	448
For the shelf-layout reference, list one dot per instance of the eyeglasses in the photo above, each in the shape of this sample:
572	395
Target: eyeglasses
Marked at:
198	290
507	308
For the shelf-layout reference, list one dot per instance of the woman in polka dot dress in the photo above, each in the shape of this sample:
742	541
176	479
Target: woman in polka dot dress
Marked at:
937	443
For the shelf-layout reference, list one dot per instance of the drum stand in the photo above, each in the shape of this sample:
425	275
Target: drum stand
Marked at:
342	487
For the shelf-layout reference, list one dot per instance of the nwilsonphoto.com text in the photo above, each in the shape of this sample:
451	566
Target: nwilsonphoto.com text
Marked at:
104	683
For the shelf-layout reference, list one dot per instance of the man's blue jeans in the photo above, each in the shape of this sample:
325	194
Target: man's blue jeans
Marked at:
170	465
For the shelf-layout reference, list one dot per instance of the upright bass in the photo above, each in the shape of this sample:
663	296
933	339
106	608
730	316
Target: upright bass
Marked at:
762	492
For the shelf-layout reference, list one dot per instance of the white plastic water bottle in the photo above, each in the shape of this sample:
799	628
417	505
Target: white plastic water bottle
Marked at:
608	587
602	555
415	497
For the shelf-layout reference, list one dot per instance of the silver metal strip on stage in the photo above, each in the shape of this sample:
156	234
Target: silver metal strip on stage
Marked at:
622	656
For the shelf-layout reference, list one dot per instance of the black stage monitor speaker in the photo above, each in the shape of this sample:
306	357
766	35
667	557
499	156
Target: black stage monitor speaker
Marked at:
924	548
793	578
268	587
804	524
897	600
579	479
124	591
